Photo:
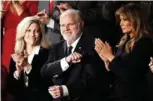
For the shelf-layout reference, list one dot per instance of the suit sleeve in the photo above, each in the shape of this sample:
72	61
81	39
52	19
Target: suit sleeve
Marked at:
81	85
136	63
14	86
52	67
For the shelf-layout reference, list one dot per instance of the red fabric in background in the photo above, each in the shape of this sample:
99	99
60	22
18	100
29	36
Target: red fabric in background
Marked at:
51	5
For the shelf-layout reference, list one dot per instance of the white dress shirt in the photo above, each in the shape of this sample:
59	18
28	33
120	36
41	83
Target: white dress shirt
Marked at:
51	23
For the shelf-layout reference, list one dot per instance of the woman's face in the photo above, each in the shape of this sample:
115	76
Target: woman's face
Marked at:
32	35
125	24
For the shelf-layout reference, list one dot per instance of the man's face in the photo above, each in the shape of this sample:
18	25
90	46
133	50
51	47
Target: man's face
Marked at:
70	28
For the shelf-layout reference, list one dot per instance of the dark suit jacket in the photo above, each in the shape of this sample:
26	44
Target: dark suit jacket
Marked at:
36	90
79	78
130	70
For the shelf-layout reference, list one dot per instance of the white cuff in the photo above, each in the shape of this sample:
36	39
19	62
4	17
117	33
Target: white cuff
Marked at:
64	64
16	76
65	90
51	23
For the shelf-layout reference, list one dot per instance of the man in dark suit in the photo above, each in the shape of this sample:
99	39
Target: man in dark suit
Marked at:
75	76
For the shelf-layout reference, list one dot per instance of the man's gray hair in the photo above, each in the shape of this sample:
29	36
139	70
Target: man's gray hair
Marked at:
75	12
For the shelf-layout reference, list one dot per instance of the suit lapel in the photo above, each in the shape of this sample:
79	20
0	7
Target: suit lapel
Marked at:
80	45
64	47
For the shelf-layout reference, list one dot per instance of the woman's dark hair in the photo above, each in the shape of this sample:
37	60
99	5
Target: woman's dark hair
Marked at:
133	13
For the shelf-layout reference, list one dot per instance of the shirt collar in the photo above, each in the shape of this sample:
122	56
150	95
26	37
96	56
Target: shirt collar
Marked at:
36	50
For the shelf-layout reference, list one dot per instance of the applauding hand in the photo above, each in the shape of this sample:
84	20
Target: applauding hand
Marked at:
151	64
21	61
104	49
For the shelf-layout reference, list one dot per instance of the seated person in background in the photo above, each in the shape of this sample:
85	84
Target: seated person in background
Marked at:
25	81
91	12
129	65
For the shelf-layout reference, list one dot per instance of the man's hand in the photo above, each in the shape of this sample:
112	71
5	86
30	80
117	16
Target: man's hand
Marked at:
66	6
55	91
43	16
63	6
74	58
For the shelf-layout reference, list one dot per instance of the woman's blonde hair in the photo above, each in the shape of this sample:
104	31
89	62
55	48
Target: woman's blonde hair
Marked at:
140	28
22	27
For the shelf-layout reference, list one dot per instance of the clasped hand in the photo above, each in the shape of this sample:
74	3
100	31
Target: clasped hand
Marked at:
75	57
104	50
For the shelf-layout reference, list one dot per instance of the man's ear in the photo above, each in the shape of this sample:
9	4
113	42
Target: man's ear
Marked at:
82	24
